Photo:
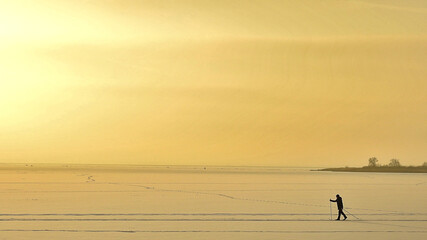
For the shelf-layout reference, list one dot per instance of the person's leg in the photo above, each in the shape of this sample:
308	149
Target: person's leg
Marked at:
345	217
339	214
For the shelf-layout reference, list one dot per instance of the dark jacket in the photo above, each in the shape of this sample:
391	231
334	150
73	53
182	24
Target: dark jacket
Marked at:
340	205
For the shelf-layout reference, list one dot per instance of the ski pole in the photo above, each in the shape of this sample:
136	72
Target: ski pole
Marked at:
351	214
330	210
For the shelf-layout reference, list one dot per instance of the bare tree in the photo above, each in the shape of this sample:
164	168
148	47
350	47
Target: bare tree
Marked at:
394	162
373	161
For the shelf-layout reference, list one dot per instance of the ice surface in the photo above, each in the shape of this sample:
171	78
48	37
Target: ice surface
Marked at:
212	203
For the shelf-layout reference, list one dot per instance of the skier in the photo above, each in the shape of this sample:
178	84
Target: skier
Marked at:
340	207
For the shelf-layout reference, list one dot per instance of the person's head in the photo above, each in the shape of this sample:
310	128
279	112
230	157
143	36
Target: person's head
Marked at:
338	195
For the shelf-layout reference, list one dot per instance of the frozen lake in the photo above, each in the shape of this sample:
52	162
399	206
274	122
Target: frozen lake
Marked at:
212	203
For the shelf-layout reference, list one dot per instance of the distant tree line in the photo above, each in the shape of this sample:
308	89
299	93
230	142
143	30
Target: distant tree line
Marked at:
373	162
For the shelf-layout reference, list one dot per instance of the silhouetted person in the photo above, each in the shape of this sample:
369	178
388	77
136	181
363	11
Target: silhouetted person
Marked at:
340	206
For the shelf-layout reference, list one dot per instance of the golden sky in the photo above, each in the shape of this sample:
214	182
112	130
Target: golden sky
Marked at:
291	83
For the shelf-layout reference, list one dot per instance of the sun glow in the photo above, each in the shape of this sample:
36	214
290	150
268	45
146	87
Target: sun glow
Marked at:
197	82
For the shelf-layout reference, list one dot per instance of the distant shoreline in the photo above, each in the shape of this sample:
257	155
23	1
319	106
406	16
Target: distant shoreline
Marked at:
386	169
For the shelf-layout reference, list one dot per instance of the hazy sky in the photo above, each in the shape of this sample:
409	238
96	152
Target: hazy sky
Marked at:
293	83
